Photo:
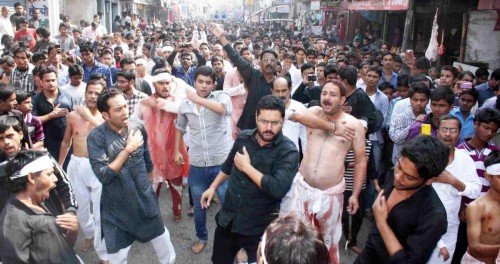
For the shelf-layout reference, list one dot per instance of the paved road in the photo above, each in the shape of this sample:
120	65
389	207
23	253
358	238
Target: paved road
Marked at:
183	235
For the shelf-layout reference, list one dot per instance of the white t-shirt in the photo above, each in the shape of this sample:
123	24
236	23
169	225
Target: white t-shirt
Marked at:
75	92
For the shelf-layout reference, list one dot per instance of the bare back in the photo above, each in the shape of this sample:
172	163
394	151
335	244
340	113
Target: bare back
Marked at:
80	129
323	164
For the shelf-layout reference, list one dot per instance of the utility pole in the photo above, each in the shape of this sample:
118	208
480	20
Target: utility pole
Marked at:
408	26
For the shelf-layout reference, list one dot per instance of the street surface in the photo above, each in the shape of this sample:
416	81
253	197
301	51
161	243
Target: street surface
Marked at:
183	236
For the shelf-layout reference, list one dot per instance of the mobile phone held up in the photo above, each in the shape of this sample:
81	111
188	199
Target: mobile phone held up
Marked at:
311	77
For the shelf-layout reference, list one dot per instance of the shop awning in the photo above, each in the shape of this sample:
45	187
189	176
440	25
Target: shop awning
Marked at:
379	5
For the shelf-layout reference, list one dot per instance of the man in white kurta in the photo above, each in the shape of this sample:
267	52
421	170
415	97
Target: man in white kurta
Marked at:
459	179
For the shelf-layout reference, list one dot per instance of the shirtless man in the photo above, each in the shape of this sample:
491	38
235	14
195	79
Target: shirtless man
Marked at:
317	190
483	225
87	186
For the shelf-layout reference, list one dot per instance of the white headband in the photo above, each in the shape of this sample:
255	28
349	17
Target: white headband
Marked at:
40	164
162	77
493	170
262	247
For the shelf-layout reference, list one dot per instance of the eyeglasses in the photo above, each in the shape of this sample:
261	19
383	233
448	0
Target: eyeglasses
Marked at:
268	60
448	129
267	122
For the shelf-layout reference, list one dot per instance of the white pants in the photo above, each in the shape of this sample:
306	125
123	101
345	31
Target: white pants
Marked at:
87	189
163	247
450	239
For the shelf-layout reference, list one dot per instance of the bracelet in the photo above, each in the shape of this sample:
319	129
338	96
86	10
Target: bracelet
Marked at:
55	113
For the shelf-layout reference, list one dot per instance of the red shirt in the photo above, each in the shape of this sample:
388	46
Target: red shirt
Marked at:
27	36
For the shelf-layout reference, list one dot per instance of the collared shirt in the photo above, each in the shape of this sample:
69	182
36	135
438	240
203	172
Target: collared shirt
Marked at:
489	103
30	235
393	80
54	128
23	80
388	115
295	130
417	222
67	43
209	134
478	156
134	99
462	167
306	94
381	102
97	68
250	208
485	92
361	84
6	26
467	130
257	85
34	23
416	128
62	75
129	207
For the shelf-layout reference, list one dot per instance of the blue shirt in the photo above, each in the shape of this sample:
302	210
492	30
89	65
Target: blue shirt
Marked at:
484	92
393	80
97	68
467	124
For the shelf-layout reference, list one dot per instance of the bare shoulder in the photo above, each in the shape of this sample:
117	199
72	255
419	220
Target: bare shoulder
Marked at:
477	206
352	121
317	110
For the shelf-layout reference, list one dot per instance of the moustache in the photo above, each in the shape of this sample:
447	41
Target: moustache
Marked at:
268	132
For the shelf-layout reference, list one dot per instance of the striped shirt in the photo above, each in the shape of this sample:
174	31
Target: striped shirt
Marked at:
209	133
349	172
478	156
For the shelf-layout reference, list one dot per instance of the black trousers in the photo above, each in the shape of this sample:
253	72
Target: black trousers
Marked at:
461	245
357	219
227	244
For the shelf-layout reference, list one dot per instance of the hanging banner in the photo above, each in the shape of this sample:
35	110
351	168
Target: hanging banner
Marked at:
49	14
280	9
379	5
329	5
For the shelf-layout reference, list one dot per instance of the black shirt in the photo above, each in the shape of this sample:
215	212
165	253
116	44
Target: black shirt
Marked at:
418	223
249	208
257	85
305	95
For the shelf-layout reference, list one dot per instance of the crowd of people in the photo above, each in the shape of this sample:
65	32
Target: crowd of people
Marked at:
299	138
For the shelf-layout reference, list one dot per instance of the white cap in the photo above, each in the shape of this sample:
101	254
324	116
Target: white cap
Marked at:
167	48
141	61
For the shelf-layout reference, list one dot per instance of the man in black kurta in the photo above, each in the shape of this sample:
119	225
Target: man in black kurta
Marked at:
129	208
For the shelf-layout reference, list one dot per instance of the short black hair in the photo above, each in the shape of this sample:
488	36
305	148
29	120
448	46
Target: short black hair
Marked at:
472	92
46	70
22	49
6	91
419	88
127	74
349	73
462	75
419	149
271	102
74	70
443	93
22	95
104	96
480	72
244	49
488	115
215	59
496	74
205	71
7	59
450	117
386	85
307	66
423	63
492	158
375	69
7	122
16	163
403	80
331	68
268	51
126	61
451	69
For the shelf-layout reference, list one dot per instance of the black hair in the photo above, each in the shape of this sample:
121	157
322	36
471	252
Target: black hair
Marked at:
291	240
349	73
321	64
375	69
9	60
46	70
243	50
385	85
419	149
118	48
104	96
307	66
16	163
488	115
451	69
492	158
126	61
271	102
215	59
419	88
403	80
205	71
450	117
86	48
288	81
95	82
186	54
16	4
75	70
236	43
268	51
422	63
288	56
6	91
480	72
22	95
462	74
22	49
7	122
338	83
43	32
496	74
127	74
473	92
443	93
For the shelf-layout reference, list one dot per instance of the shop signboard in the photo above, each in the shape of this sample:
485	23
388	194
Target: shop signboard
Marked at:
284	9
329	5
281	2
378	5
